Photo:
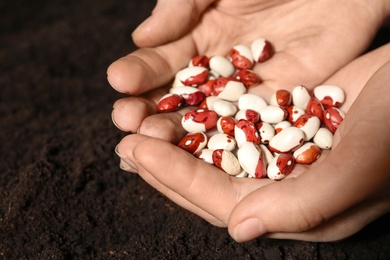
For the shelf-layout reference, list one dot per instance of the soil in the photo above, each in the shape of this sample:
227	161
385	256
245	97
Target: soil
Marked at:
62	194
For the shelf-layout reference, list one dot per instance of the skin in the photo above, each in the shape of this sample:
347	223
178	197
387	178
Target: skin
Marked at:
340	204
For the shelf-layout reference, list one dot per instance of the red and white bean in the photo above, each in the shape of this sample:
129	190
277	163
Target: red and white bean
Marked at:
254	138
308	153
226	161
287	140
329	95
251	101
262	50
252	160
221	141
323	138
300	96
193	142
222	66
280	166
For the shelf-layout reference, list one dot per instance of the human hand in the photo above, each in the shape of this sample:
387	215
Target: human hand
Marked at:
312	40
330	200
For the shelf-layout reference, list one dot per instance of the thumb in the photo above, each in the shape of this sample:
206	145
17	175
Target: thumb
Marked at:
299	204
170	20
279	207
296	205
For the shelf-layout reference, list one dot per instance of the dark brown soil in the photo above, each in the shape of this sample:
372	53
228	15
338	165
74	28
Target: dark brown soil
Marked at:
62	194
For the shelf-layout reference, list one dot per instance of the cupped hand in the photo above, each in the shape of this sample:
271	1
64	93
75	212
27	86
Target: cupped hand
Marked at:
312	39
330	200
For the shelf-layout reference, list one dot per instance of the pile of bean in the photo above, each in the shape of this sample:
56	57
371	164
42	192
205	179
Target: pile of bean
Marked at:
254	138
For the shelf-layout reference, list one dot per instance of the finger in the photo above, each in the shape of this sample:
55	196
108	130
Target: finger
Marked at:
138	115
149	68
170	20
198	182
165	126
123	165
128	113
125	149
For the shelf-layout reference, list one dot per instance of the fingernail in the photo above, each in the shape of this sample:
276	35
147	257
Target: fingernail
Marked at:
127	168
113	119
122	156
248	230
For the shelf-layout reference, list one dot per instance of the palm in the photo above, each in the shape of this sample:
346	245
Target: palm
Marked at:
303	33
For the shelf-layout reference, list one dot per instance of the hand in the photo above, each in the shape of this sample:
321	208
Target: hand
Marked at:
330	200
312	40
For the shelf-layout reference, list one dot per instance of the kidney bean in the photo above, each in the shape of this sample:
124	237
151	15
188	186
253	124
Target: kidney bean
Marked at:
228	88
241	57
193	142
193	99
281	98
199	61
266	132
199	120
309	124
222	66
282	125
308	153
273	114
287	140
314	107
252	160
251	101
224	108
248	114
208	102
294	113
280	166
170	103
226	161
207	88
221	141
246	131
329	95
183	90
262	50
300	96
323	138
205	155
247	77
333	118
226	125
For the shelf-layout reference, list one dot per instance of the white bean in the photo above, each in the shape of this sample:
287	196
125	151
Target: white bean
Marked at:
251	101
252	160
221	141
329	95
300	96
224	108
273	114
323	138
287	140
222	66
